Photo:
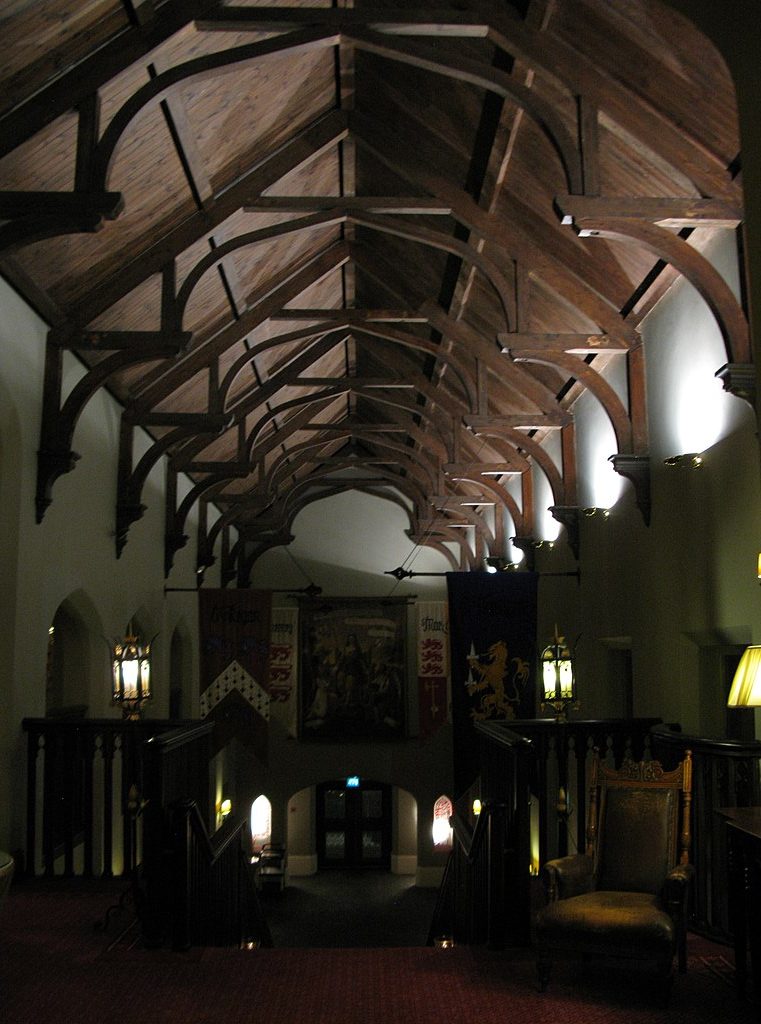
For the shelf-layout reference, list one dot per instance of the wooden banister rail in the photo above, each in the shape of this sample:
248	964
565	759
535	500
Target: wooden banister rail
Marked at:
725	773
533	782
561	756
481	898
214	893
80	772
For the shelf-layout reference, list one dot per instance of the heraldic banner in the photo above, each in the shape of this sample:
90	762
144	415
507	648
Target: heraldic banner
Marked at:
234	631
492	634
432	666
284	654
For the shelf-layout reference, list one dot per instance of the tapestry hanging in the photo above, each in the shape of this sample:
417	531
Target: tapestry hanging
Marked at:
353	667
493	653
234	632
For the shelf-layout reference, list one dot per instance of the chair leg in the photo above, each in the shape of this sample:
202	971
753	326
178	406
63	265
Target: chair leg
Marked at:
543	969
682	953
666	981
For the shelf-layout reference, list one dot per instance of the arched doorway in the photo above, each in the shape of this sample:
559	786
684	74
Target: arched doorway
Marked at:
353	824
67	682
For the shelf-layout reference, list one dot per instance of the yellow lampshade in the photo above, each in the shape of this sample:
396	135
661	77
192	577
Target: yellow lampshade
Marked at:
745	691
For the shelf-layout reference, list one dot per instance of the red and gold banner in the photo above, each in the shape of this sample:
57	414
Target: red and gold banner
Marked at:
284	666
432	666
234	632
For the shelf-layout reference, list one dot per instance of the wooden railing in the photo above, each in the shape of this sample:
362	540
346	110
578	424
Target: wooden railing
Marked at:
197	885
725	774
533	787
212	884
561	757
83	775
109	797
534	777
482	893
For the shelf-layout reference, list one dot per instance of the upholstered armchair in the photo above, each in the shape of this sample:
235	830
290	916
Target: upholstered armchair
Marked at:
627	896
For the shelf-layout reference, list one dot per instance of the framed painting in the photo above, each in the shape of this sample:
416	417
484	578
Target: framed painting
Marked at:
353	669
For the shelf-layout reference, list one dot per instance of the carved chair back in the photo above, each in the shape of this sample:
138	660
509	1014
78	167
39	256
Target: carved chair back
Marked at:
638	827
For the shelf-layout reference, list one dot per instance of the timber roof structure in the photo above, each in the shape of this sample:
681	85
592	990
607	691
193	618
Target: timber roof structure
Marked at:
318	246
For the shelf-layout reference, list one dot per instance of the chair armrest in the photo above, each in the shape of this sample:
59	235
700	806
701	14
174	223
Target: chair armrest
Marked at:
676	888
567	876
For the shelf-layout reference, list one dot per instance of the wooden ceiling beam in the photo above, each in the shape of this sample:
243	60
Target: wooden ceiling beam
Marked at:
347	317
673	249
637	114
395	205
68	89
494	80
580	370
303	147
517	343
397	21
517	234
286	285
519	420
466	470
672	212
108	341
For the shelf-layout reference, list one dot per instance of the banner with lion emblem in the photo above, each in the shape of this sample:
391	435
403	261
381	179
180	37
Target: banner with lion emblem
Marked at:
492	631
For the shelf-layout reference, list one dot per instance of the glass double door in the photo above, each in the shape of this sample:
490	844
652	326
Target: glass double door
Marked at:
354	825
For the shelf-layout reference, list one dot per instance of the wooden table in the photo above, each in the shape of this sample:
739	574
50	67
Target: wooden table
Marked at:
744	863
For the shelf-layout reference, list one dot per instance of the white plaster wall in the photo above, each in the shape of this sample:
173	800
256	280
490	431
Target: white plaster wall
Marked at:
71	554
688	578
345	544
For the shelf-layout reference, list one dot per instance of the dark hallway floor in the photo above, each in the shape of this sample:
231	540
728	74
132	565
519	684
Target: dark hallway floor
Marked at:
342	909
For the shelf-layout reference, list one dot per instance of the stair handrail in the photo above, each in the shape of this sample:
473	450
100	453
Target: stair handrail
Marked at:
233	901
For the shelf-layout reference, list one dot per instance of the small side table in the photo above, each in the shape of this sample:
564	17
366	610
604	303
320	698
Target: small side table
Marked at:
7	866
744	892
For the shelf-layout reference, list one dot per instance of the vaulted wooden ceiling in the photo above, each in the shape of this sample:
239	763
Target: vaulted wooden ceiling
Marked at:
319	246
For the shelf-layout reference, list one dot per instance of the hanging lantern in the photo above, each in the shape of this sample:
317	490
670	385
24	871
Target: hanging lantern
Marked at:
558	681
132	674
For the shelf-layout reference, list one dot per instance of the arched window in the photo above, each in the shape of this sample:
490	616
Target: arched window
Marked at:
441	830
261	822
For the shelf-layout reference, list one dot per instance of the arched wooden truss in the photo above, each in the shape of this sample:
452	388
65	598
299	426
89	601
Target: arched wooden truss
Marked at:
317	249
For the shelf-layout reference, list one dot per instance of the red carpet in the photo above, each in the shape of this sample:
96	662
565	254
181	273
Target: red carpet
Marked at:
56	967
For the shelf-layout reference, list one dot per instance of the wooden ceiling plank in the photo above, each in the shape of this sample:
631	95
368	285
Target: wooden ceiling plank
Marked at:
176	116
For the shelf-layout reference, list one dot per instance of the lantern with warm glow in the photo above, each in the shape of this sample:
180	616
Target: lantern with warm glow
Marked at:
558	680
132	674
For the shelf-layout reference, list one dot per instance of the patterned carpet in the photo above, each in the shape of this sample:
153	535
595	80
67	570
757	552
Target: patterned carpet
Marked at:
56	967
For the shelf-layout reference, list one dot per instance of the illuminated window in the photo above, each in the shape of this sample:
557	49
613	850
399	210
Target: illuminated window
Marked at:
441	829
261	822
